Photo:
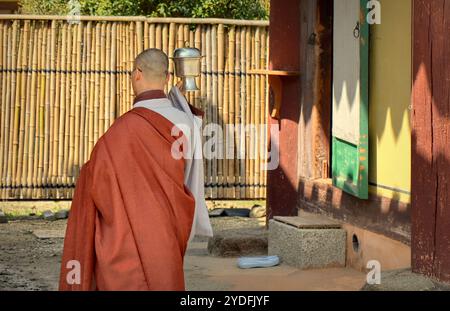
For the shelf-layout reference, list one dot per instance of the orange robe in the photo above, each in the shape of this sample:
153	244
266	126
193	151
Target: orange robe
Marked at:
131	213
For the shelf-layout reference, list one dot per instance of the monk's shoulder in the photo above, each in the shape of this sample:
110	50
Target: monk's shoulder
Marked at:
118	127
121	125
122	121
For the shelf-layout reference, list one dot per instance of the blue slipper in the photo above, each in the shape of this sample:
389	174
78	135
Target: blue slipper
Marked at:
258	262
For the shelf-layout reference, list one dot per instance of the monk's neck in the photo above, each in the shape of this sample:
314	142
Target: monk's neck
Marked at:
149	95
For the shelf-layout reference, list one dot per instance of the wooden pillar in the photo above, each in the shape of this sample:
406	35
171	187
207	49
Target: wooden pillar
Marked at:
430	139
316	59
282	183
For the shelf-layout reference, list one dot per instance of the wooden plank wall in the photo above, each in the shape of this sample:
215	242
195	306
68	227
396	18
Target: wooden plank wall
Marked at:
431	139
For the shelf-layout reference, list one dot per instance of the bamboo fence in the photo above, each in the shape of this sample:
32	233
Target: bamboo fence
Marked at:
64	81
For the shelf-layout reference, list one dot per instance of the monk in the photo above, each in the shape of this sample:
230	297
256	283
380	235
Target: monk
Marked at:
137	203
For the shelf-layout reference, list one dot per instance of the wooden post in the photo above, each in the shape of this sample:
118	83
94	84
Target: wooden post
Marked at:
285	48
430	214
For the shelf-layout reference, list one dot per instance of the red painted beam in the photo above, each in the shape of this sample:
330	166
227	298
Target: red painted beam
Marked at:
282	183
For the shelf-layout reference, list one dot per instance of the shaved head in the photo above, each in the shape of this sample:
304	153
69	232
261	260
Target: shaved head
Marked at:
153	63
151	69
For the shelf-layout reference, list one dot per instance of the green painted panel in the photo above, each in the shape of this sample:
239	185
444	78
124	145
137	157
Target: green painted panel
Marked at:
350	160
345	165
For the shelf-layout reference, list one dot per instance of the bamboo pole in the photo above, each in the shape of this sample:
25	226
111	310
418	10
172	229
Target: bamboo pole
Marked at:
165	46
112	111
253	142
231	111
75	155
46	144
58	77
262	119
88	48
120	47
39	138
4	88
146	35
207	64
124	67
257	110
248	93
123	59
12	171
172	35
13	60
220	103
237	113
83	96
92	94
139	36
70	132
186	35
225	115
21	154
152	35
158	31
30	131
61	107
242	109
97	83
198	45
68	109
51	99
101	95
130	57
165	38
26	129
180	36
214	105
107	87
4	108
41	118
189	41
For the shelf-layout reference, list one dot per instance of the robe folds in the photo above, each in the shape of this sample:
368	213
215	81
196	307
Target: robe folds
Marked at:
131	213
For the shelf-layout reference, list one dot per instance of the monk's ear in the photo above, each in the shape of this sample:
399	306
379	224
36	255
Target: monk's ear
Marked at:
168	77
138	75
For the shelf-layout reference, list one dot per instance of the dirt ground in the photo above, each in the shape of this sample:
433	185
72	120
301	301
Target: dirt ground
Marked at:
30	263
26	262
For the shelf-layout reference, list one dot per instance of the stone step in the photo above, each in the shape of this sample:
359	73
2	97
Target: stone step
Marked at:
308	241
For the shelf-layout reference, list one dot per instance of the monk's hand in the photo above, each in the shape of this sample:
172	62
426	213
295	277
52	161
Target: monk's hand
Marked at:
180	86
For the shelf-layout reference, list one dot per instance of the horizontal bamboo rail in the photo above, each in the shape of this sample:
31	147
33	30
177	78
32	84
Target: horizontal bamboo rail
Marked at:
62	85
151	20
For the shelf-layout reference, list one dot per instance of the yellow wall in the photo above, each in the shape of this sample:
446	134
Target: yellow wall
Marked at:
390	93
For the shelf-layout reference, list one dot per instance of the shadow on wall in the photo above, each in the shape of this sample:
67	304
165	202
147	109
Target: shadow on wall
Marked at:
377	214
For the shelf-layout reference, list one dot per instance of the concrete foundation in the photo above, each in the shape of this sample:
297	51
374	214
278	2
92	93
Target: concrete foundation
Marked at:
307	248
